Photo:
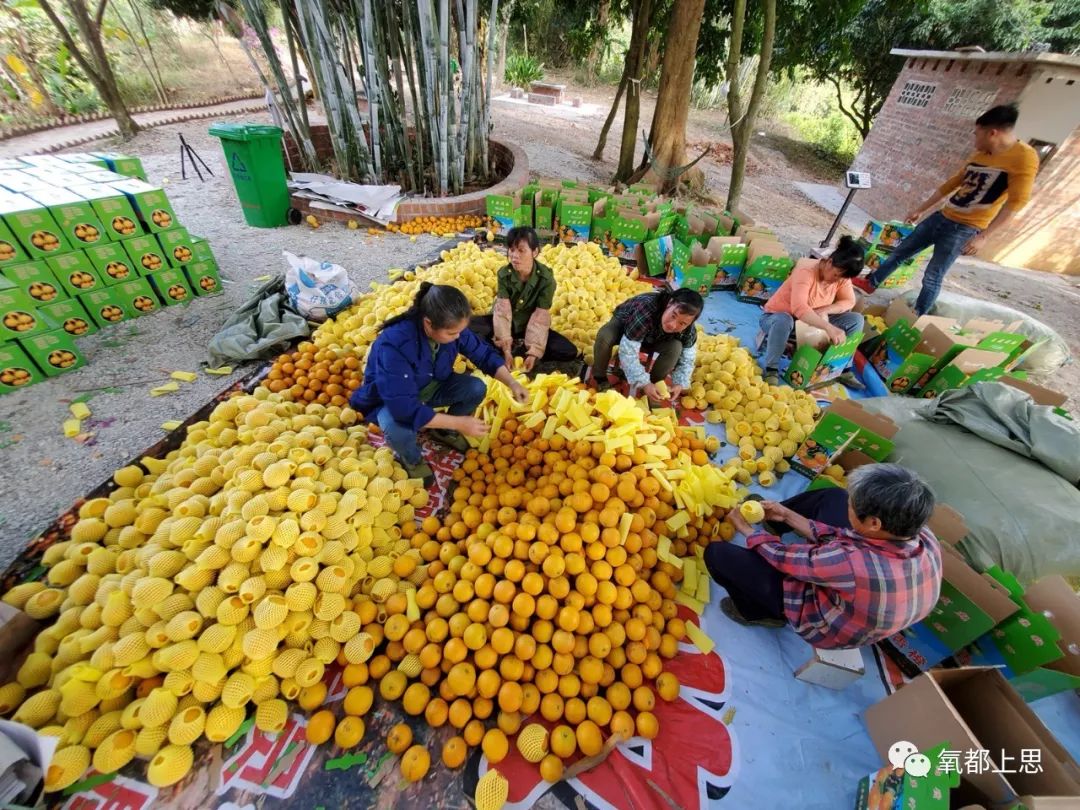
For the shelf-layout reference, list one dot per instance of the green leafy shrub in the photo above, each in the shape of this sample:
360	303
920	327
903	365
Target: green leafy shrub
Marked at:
832	135
522	70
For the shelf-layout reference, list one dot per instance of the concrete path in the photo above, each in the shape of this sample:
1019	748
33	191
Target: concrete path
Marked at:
50	140
831	198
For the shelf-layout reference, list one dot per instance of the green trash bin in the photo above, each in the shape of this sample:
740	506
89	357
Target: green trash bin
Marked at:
253	155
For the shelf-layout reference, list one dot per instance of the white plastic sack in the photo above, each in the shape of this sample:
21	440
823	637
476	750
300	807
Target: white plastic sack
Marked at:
317	290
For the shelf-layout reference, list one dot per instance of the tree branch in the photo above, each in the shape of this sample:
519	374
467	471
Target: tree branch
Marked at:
99	15
847	113
69	40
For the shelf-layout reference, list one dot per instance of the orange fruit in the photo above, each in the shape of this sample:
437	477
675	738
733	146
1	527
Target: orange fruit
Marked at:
415	699
358	701
436	713
320	727
415	763
599	710
551	768
473	732
647	725
349	732
551	707
311	697
562	741
668	686
622	725
644	700
399	738
589	738
454	752
495	745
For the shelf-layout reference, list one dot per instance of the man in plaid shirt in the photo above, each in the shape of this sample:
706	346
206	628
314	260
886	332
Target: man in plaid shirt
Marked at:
867	568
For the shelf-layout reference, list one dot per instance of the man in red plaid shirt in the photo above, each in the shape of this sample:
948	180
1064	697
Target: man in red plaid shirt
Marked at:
867	567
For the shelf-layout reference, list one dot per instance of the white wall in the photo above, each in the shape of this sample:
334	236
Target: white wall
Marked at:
1049	112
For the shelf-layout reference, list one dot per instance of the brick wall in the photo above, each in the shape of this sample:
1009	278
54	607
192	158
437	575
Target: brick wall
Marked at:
911	150
1047	234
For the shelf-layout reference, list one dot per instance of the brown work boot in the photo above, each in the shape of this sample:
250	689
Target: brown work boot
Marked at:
727	604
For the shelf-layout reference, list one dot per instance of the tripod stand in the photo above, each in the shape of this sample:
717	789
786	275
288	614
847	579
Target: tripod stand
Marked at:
186	154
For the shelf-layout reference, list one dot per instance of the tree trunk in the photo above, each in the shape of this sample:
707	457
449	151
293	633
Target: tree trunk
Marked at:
635	57
95	64
742	122
504	33
598	153
668	131
162	91
596	52
29	59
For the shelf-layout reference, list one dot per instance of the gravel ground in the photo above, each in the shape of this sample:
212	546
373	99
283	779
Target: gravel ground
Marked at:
41	472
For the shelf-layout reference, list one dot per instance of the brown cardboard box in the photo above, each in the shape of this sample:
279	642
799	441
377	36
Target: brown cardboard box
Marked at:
977	709
1041	396
16	631
765	247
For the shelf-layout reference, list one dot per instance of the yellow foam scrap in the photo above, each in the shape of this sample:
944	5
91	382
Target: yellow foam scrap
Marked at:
677	521
184	376
644	439
171	425
703	580
653	465
485	444
699	552
566	433
619	443
79	410
694	604
549	428
412	610
659	476
72	428
676	474
658	451
683	533
534	420
583	396
689	572
577	415
674	561
167	388
624	429
701	641
624	526
663	548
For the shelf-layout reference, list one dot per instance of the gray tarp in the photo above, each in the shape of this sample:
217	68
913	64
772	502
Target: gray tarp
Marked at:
1020	514
260	328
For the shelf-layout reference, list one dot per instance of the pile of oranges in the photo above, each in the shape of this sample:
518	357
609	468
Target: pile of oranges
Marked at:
311	374
533	606
437	226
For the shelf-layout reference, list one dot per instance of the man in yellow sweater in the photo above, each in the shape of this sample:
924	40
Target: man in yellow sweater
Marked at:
984	195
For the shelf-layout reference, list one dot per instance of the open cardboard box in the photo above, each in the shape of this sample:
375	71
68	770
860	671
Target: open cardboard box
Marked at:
976	709
697	273
661	256
767	267
728	253
815	360
1036	646
846	425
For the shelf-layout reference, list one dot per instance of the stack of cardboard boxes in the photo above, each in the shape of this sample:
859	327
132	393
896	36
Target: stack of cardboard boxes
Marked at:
85	242
688	246
879	239
924	356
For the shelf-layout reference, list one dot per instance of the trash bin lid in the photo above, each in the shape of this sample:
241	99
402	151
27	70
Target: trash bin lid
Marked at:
245	132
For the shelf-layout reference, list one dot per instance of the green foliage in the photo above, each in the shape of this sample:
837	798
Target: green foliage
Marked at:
833	137
1061	26
521	70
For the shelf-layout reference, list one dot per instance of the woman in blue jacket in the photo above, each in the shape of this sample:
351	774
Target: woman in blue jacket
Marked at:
410	373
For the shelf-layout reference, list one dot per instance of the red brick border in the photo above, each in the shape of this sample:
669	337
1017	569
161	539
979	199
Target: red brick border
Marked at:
510	161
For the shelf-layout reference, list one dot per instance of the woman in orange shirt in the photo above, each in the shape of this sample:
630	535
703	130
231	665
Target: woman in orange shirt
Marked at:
818	292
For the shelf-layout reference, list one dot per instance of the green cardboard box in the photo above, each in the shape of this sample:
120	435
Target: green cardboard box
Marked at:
171	286
932	350
177	246
903	790
136	297
17	370
573	220
845	425
763	273
37	281
628	231
76	217
19	316
16	181
122	164
809	366
901	278
103	306
544	208
695	271
113	208
959	368
150	203
658	257
72	317
82	159
146	254
503	209
54	352
33	226
11	252
200	250
75	272
603	221
728	253
112	263
203	278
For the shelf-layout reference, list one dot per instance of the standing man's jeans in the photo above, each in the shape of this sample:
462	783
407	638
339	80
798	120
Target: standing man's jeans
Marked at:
948	239
462	393
778	326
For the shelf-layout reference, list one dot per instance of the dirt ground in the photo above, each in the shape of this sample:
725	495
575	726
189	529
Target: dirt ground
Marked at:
41	472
